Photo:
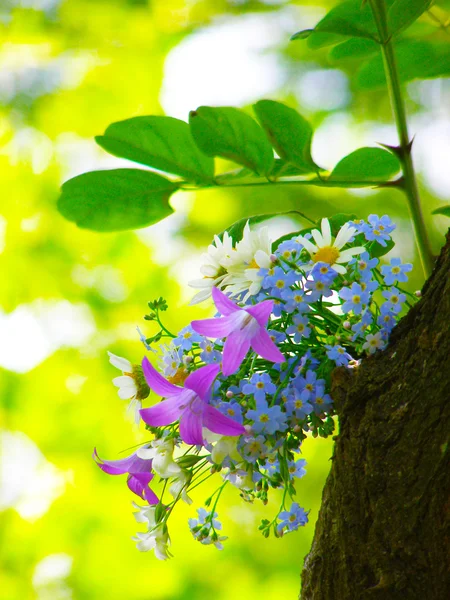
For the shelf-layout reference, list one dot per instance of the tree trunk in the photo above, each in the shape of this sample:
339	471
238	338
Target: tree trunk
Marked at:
383	529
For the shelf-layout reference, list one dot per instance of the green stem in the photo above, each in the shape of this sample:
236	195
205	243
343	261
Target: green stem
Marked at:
302	182
404	150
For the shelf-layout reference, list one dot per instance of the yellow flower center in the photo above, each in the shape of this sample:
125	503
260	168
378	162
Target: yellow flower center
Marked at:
260	385
264	418
179	377
327	254
253	265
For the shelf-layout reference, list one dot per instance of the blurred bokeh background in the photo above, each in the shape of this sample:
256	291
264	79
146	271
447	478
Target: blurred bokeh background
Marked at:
68	68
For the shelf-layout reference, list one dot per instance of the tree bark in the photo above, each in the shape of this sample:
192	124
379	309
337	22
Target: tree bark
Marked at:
383	529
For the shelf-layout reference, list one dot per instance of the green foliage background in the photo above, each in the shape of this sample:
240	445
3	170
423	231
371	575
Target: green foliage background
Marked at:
70	69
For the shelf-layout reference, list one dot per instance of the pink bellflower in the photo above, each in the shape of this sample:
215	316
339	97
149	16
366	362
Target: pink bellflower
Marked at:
243	328
189	404
139	474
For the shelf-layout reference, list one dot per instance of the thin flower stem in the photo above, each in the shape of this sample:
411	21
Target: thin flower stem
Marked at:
404	150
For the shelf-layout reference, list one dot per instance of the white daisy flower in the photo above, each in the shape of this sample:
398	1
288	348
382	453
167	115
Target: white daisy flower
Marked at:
328	250
213	267
252	254
132	385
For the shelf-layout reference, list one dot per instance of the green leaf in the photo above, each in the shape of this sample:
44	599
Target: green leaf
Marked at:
163	143
231	176
352	18
289	133
281	168
376	250
354	48
116	200
404	12
230	133
366	164
301	35
415	60
444	210
319	39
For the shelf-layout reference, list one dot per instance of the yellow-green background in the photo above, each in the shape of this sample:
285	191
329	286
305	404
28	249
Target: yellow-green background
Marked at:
67	70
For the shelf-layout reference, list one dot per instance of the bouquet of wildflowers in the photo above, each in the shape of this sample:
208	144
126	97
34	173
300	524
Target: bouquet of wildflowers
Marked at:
241	391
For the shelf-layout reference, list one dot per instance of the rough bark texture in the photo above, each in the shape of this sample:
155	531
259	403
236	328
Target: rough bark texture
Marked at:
383	529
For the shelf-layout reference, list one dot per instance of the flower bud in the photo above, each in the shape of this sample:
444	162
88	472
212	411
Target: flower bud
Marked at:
187	360
229	394
347	325
418	294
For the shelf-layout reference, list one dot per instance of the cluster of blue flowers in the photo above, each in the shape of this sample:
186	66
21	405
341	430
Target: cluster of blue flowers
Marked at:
330	304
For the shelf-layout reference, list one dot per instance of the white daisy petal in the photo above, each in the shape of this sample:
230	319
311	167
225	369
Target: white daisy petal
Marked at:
326	232
120	363
318	238
125	393
124	381
344	236
339	269
347	255
309	246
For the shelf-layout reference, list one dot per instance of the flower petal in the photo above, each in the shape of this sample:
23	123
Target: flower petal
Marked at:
156	382
234	351
263	345
215	328
261	311
223	304
200	381
318	238
120	363
191	422
326	232
217	422
339	269
346	255
164	412
138	484
309	246
121	466
345	234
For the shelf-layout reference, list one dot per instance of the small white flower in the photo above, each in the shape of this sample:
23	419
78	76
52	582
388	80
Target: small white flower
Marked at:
226	446
178	487
161	452
374	342
213	267
252	254
156	538
328	251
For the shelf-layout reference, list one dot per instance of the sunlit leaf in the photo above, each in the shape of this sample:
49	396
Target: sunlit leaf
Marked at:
354	48
289	133
404	12
366	164
444	210
282	168
415	60
230	133
116	200
351	18
301	35
163	143
231	176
